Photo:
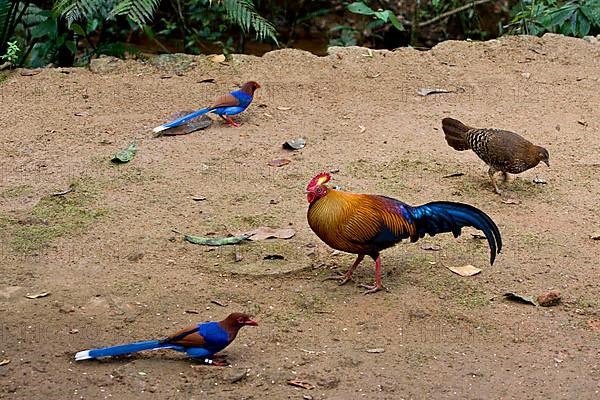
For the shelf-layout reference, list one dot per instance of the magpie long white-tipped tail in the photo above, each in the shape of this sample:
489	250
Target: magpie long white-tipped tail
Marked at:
160	128
82	355
122	349
181	120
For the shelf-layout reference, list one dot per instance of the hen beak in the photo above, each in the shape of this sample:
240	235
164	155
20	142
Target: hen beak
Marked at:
306	191
251	322
547	162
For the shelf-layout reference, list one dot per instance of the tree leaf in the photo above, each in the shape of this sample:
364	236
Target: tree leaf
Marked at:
583	24
360	8
395	23
125	155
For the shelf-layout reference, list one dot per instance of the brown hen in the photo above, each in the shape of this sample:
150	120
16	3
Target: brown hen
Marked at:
502	151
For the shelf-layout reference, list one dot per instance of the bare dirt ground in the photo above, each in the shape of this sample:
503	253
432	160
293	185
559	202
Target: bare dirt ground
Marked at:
116	272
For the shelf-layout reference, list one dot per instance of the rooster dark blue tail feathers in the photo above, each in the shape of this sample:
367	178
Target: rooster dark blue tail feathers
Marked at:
445	216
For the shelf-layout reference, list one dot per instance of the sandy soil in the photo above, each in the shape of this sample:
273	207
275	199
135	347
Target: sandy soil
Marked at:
116	271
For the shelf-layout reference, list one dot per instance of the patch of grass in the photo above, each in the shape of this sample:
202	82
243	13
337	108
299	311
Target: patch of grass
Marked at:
437	280
3	77
15	191
55	216
584	303
253	221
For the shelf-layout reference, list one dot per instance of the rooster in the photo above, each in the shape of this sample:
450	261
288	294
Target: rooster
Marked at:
365	224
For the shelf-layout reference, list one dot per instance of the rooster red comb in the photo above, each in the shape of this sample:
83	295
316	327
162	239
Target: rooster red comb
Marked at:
320	179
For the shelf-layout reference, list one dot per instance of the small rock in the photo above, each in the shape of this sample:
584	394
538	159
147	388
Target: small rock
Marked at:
219	58
549	299
133	257
238	375
595	236
105	64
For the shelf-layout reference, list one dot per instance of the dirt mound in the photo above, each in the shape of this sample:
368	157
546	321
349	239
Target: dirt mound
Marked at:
116	271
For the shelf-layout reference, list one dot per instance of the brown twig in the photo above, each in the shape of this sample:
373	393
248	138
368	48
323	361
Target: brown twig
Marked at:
452	12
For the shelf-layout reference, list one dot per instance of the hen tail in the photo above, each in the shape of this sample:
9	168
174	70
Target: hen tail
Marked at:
120	350
181	120
456	134
445	216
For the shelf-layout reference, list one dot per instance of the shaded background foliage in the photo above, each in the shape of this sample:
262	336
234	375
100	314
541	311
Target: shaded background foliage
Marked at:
71	32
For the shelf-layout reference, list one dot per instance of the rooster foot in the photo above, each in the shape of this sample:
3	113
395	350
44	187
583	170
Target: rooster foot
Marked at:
342	279
370	288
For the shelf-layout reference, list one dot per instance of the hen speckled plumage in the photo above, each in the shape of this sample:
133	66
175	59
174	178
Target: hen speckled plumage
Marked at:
503	151
366	224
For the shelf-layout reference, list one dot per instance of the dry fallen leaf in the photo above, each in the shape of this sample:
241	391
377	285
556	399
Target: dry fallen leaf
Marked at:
198	198
362	129
520	298
279	162
375	351
431	247
74	331
510	201
63	192
427	91
595	236
37	295
294	144
282	108
264	232
4	362
539	181
455	174
30	72
267	115
465	270
218	58
300	384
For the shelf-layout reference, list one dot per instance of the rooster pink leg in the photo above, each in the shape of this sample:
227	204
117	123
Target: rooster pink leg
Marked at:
230	121
377	287
348	275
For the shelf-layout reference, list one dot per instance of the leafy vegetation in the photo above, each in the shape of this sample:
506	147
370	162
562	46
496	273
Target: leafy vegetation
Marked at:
71	32
573	18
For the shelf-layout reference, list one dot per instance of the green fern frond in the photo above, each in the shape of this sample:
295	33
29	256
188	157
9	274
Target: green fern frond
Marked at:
139	11
76	10
5	7
244	14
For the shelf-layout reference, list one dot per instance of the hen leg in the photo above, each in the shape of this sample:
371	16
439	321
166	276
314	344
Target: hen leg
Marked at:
492	172
377	286
348	275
